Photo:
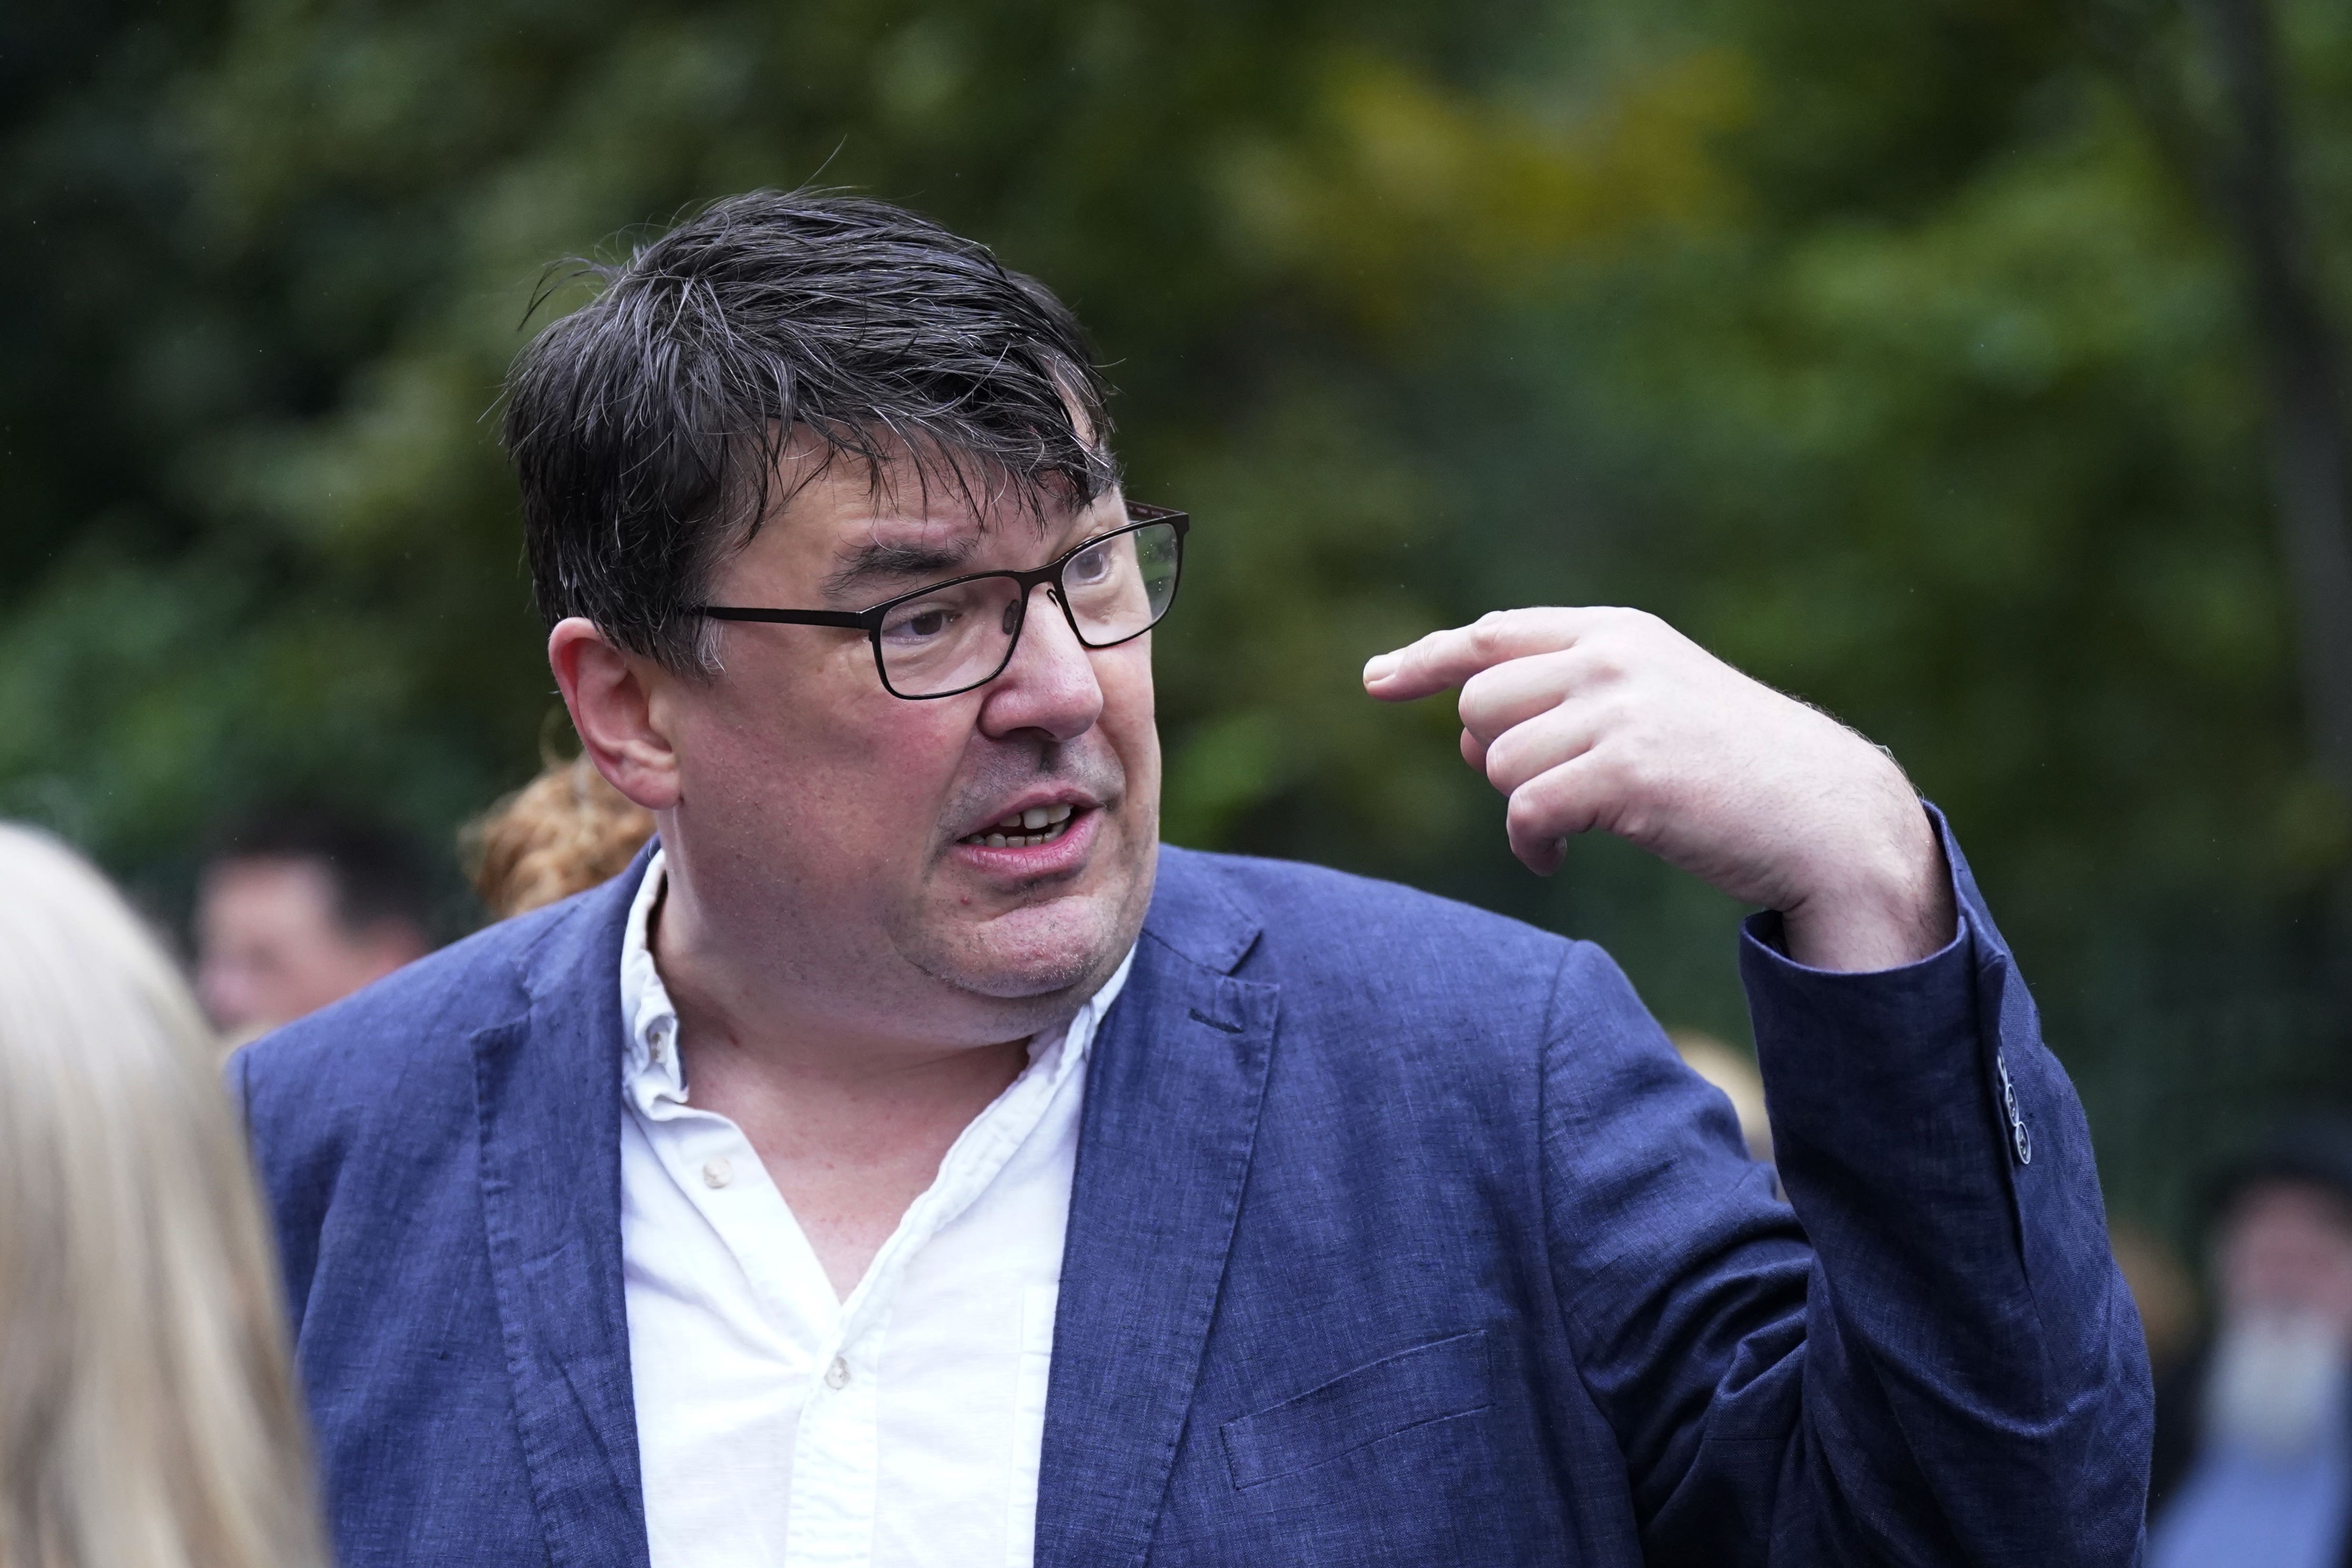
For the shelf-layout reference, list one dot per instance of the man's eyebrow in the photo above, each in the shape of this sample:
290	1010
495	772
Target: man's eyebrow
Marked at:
875	562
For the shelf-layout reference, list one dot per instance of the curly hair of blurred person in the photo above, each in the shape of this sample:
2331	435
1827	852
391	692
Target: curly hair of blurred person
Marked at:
148	1413
562	833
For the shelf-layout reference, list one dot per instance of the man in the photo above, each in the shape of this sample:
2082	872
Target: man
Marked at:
2254	1457
910	1161
299	908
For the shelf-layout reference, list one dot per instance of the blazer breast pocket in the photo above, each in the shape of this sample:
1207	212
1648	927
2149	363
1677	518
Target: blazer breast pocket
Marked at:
1418	1387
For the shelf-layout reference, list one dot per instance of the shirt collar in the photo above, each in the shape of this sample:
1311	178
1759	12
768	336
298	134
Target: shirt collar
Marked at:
652	1070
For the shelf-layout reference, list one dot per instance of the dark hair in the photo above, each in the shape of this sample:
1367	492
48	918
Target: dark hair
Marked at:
2310	1147
645	426
376	872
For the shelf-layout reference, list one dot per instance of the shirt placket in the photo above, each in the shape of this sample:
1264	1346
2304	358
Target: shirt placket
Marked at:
715	1165
835	1466
837	1456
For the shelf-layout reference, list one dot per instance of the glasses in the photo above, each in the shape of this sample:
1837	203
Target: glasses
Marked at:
947	639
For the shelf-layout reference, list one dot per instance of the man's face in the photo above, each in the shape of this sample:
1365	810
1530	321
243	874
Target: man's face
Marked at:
271	946
842	829
2285	1248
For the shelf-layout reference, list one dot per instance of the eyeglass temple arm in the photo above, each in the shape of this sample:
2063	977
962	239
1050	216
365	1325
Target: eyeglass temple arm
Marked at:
784	617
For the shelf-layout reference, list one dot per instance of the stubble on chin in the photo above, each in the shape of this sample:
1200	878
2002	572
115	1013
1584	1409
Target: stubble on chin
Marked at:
1035	957
1043	957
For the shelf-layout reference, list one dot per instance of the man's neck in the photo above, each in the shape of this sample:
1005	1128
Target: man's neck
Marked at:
851	1123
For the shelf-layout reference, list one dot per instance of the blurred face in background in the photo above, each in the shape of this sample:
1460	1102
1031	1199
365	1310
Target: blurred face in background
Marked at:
2283	1272
272	943
2285	1248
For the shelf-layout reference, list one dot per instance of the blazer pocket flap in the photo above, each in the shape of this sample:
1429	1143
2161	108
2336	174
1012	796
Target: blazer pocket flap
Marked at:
1433	1381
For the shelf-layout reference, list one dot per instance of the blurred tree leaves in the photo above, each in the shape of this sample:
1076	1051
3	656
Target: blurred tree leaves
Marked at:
1876	346
1399	194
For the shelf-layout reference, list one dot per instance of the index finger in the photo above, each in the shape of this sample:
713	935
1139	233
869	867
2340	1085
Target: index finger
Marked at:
1450	657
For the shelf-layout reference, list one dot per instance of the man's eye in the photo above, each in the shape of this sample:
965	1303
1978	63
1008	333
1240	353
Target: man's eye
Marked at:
1089	566
919	622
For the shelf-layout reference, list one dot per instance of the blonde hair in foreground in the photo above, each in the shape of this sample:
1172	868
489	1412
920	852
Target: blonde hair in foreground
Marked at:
148	1417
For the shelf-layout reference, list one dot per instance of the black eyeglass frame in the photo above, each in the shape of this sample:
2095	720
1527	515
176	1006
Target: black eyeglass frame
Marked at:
1139	517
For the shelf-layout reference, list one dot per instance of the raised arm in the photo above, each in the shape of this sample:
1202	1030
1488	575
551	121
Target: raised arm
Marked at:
1944	1367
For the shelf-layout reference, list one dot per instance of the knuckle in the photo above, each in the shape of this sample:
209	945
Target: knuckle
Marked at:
1603	664
1477	694
1651	630
1535	793
1502	766
1471	712
1618	623
1535	812
1617	767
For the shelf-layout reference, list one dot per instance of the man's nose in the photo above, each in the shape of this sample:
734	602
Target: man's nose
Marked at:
1050	686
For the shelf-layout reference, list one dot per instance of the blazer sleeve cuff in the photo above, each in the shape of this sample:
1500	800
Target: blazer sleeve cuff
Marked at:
1888	1087
1917	1017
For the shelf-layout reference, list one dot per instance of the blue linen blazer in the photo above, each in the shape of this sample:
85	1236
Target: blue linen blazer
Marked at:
1398	1234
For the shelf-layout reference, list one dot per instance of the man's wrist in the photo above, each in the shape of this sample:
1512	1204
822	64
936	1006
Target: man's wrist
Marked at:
1885	908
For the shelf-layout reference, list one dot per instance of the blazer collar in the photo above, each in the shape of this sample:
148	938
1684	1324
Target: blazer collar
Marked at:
1173	1091
548	1100
1173	1088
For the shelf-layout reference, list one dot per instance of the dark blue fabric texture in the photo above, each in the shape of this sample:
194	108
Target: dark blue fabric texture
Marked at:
1400	1235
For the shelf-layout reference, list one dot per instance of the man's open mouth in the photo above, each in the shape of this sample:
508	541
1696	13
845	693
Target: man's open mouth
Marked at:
1037	825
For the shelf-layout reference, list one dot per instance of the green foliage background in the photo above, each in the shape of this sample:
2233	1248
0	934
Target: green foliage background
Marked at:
1874	345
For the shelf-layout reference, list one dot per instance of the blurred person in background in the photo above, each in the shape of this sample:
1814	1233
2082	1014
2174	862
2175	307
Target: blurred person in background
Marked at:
300	908
562	833
148	1415
2253	1452
910	1159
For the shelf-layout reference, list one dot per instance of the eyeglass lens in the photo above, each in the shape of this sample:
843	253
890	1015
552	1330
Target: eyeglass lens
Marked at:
956	637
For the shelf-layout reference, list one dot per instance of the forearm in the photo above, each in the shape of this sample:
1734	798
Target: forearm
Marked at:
1974	1373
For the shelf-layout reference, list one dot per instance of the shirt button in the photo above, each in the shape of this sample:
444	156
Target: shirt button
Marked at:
718	1172
837	1374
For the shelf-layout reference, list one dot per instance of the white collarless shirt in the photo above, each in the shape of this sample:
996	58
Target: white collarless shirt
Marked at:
780	1426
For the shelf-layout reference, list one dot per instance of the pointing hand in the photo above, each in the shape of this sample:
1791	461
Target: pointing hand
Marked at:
1609	719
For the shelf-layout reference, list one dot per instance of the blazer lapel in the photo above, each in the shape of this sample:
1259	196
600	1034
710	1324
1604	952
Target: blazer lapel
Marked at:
548	1096
1173	1097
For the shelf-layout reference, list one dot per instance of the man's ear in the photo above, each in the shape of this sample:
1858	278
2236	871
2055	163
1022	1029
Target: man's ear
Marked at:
612	707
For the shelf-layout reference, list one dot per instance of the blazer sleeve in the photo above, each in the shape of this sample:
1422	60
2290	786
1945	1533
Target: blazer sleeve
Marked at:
1928	1355
294	1156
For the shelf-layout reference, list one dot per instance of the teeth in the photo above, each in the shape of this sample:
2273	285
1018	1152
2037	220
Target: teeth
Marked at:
1037	825
1035	818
